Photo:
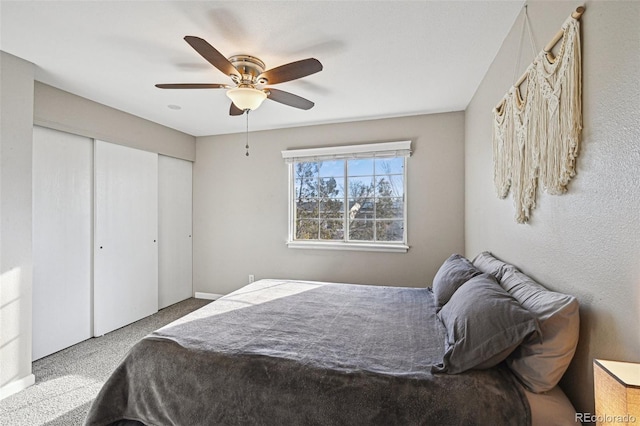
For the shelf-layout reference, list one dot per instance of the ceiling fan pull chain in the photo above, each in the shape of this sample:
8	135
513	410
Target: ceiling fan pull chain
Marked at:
247	145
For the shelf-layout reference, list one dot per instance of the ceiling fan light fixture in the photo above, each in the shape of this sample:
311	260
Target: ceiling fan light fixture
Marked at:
246	98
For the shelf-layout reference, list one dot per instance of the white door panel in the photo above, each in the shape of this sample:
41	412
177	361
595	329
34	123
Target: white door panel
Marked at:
125	242
62	231
174	215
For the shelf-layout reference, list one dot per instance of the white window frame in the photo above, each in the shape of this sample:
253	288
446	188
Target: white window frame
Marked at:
373	150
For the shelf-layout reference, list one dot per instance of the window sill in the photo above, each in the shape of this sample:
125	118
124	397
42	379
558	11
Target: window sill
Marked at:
338	245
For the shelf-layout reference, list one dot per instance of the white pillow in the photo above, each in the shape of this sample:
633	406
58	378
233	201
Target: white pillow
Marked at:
540	362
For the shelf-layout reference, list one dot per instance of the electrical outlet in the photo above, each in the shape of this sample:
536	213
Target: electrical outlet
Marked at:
252	278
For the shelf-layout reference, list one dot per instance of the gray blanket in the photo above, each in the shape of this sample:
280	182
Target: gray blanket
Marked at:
303	353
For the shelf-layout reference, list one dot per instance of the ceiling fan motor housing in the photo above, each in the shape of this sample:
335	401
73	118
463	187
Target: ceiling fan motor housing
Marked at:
250	67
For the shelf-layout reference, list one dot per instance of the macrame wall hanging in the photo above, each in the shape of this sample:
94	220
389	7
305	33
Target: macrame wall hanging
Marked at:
536	128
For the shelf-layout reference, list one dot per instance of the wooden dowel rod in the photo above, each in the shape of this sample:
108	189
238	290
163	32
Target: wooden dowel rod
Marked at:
522	78
575	15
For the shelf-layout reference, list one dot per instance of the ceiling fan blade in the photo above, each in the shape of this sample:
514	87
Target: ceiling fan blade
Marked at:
234	110
214	57
289	99
291	71
192	86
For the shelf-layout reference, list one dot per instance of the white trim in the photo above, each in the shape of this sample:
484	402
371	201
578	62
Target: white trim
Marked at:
207	296
395	149
17	386
341	245
291	216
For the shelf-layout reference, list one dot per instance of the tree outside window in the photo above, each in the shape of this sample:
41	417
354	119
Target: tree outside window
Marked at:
350	199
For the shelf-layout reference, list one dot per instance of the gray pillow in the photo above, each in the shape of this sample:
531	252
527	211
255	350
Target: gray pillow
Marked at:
488	263
484	325
454	272
540	362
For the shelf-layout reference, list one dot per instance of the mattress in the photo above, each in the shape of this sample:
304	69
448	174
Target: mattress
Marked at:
551	408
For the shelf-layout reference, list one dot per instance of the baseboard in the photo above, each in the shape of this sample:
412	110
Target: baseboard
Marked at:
207	296
17	386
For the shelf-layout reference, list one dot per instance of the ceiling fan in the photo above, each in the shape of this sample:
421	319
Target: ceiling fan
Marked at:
250	78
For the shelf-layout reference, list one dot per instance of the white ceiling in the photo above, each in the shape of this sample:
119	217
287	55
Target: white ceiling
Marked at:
380	58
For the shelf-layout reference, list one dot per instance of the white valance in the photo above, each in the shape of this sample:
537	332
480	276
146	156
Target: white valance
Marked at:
369	150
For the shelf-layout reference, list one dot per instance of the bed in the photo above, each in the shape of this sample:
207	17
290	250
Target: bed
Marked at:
287	352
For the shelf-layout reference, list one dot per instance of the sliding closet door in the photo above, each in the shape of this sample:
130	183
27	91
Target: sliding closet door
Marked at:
174	214
125	242
62	219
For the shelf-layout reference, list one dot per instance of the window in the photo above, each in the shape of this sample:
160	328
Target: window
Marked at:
349	197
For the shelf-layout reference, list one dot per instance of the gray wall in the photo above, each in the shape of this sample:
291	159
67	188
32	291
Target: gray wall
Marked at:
587	241
240	205
16	258
60	110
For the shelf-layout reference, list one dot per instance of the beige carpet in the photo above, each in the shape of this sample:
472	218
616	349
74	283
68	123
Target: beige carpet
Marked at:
69	380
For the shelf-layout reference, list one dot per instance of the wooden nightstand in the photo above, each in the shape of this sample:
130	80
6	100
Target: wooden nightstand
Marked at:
617	392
